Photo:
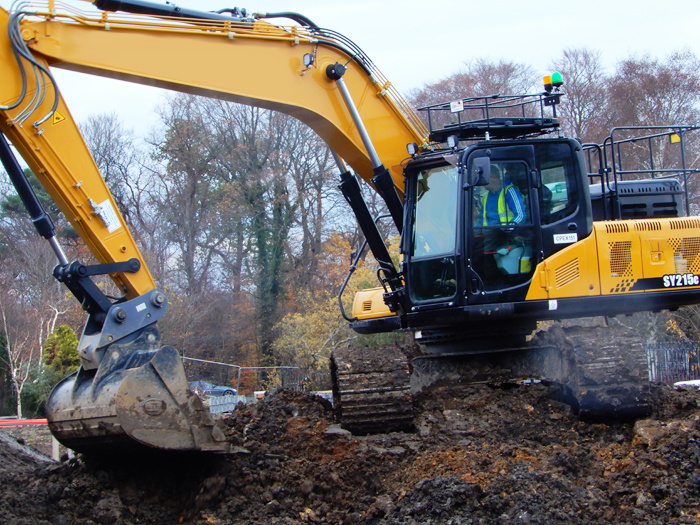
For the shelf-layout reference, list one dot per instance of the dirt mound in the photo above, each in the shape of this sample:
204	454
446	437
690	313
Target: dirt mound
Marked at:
481	454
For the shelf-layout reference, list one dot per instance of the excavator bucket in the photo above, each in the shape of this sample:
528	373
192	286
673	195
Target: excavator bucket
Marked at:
133	397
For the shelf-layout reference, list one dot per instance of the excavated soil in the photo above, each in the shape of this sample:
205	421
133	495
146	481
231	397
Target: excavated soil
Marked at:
480	454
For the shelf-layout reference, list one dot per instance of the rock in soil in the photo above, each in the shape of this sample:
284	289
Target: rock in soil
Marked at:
480	454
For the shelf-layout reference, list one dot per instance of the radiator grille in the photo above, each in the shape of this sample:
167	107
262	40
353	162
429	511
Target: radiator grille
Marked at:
620	258
688	248
616	227
647	226
685	224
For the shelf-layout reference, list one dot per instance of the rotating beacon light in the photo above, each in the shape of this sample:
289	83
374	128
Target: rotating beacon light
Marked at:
547	80
551	94
553	81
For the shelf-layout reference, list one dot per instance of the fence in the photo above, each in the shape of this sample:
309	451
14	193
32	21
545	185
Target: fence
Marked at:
673	361
228	378
242	379
221	404
217	405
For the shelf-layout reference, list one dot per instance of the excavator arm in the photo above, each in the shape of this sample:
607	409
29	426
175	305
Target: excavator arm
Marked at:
315	75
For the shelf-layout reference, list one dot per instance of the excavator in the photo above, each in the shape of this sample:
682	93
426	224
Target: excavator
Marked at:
470	286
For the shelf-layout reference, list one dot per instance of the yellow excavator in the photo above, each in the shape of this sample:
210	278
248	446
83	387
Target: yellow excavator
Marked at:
477	272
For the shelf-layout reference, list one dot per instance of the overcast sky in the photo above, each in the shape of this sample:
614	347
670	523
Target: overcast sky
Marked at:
417	42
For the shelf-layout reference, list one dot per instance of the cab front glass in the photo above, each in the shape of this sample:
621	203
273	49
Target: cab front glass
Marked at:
433	244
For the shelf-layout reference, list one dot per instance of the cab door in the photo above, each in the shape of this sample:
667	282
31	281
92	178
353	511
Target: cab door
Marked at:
502	224
564	197
431	234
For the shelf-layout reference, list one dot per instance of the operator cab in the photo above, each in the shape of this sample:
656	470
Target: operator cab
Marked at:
486	212
479	219
482	213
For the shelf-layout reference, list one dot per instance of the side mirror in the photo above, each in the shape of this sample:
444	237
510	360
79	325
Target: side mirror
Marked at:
480	172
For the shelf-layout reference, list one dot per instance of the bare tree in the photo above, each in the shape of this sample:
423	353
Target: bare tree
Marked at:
21	347
189	200
252	146
308	164
481	78
128	172
647	91
27	268
582	110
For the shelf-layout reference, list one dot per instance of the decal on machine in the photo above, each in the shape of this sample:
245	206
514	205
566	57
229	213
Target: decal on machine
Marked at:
676	280
672	280
57	117
106	212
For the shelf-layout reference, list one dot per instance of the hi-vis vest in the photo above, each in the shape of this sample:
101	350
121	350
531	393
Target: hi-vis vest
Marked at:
502	207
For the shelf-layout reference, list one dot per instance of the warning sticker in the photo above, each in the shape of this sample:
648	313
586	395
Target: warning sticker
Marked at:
57	117
109	217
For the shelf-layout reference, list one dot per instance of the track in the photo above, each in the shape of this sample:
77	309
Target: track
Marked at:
371	390
600	365
608	373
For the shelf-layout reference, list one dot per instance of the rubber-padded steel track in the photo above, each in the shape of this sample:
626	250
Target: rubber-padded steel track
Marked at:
602	364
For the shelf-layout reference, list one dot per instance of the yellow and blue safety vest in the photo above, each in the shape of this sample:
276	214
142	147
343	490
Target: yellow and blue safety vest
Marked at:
507	208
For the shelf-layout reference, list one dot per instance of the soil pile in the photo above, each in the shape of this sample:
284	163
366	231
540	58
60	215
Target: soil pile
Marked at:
481	454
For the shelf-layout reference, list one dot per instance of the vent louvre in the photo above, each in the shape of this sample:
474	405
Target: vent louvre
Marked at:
648	226
567	273
617	227
685	224
367	306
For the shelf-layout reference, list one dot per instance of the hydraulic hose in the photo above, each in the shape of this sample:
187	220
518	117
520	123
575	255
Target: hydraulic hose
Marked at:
150	8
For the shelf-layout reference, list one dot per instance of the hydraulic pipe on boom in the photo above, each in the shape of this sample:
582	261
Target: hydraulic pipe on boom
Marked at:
152	8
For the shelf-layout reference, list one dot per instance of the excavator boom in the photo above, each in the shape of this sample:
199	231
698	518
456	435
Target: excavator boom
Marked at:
250	62
128	388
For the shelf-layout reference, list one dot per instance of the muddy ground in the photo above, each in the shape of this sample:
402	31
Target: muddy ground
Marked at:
487	454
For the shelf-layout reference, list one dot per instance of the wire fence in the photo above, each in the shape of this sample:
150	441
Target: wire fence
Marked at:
672	361
245	380
669	362
222	385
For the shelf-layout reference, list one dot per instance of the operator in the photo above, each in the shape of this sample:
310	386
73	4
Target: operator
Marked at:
501	206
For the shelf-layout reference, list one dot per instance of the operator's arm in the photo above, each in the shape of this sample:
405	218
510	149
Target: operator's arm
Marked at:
515	204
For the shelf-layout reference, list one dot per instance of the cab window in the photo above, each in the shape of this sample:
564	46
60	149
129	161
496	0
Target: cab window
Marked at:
558	197
435	217
432	274
502	226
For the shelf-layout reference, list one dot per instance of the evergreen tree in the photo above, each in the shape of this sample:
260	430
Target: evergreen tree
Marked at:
60	352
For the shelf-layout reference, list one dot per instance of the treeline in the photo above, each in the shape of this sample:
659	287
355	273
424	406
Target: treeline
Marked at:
239	219
640	91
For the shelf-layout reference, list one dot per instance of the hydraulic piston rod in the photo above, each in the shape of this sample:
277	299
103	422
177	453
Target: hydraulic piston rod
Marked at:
382	178
42	222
